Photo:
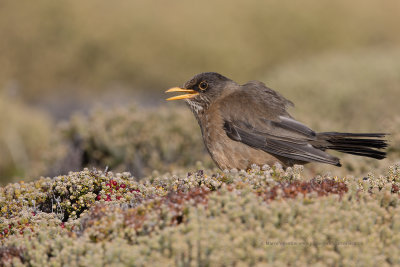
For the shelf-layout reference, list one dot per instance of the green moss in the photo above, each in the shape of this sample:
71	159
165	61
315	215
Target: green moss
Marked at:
28	141
263	216
135	140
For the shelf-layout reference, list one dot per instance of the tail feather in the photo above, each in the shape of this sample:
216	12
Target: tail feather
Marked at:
360	144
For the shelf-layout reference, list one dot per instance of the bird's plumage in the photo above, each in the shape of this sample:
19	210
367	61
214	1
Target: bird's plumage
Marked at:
249	124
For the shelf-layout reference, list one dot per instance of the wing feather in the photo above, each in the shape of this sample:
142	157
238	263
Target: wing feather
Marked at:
285	147
268	126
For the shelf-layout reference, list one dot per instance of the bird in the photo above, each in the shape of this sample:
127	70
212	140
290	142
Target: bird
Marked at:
248	124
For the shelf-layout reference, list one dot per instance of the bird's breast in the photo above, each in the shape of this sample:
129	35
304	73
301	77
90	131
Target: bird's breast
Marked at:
227	153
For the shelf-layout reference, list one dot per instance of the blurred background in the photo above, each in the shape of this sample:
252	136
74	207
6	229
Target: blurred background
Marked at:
82	82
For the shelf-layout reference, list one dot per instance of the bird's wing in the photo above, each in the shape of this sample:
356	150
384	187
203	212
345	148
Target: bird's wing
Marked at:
257	117
262	100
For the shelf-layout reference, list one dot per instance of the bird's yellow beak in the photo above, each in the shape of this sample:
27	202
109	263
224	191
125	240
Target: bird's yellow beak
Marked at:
191	93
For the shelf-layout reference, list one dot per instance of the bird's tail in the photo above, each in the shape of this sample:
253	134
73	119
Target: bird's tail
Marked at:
360	144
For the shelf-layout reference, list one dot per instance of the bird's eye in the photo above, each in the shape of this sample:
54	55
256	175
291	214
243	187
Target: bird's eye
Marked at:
203	85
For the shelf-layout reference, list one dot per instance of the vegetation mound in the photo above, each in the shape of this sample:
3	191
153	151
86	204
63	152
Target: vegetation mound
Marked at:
265	215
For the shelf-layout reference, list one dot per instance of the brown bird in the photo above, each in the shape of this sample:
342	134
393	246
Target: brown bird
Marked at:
249	124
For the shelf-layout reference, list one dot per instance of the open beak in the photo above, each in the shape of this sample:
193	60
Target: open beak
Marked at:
191	93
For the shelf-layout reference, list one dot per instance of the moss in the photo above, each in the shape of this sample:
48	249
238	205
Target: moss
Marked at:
263	216
131	139
28	140
9	253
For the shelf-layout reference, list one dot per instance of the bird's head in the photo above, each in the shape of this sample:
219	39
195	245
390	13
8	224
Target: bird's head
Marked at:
201	90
